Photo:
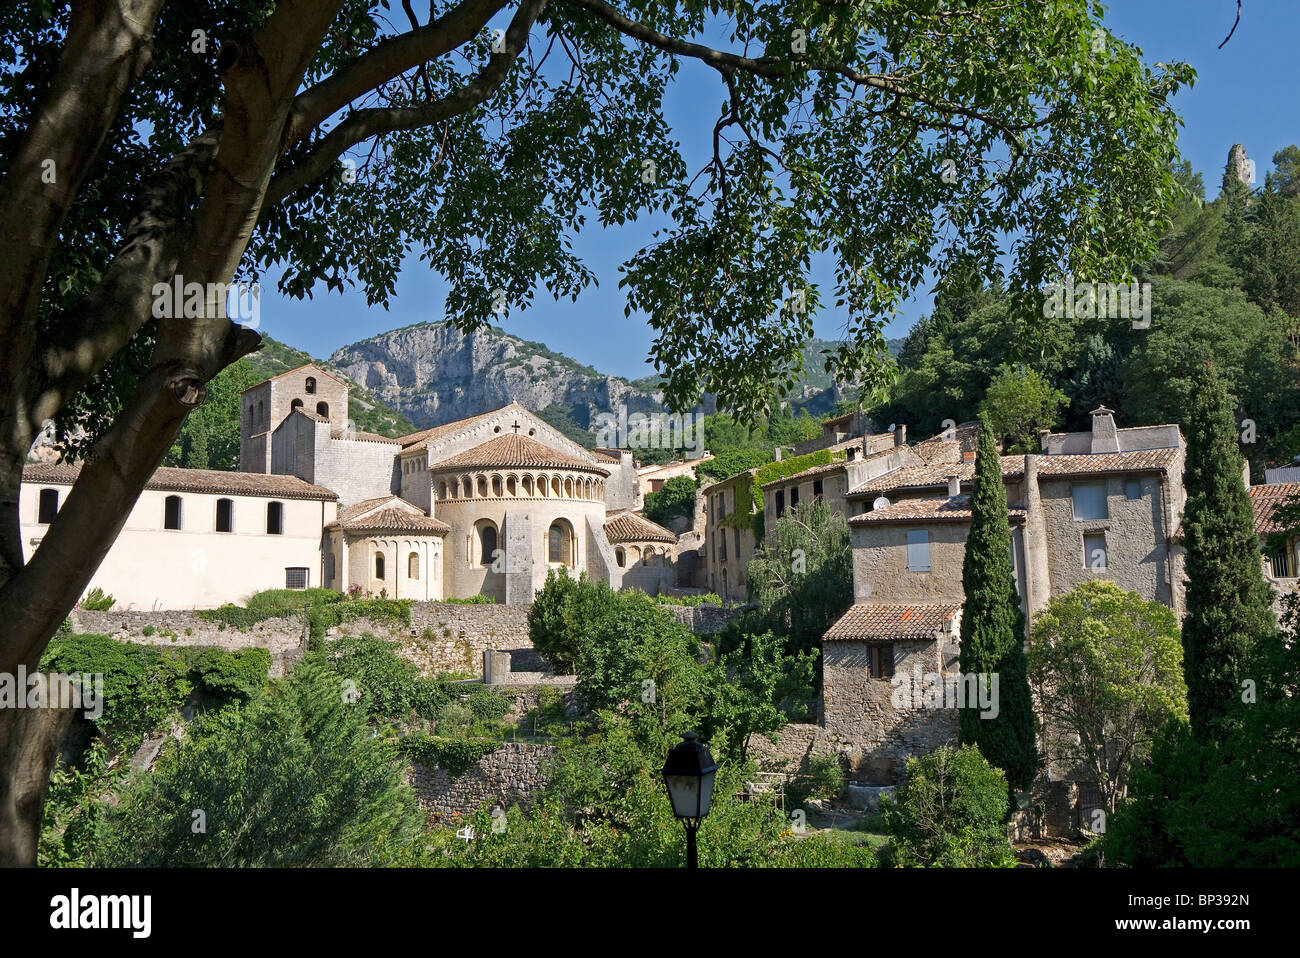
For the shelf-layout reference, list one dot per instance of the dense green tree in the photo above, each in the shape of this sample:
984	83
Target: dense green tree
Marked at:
724	465
552	628
1018	404
993	626
675	499
1107	670
294	778
950	812
802	574
1228	600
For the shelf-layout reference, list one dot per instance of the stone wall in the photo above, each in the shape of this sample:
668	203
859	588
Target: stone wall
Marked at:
795	745
186	628
507	777
703	619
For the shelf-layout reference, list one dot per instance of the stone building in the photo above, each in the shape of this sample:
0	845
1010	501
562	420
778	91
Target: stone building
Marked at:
481	506
1100	504
1281	560
729	540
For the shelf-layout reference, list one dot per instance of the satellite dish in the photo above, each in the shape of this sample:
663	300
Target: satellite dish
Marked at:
881	503
893	426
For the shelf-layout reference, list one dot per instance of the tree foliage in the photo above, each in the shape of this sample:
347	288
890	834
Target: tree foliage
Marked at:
1019	403
993	627
1107	670
674	500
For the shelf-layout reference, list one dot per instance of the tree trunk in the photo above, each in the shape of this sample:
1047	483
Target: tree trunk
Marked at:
29	745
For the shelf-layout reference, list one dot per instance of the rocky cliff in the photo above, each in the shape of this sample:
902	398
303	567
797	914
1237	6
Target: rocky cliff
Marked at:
434	374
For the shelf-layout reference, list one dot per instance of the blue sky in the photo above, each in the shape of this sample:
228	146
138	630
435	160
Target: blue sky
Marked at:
1245	93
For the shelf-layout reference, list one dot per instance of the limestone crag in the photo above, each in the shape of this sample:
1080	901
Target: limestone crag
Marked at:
435	374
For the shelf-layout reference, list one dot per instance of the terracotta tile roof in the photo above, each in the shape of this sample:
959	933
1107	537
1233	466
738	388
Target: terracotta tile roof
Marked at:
357	435
392	519
1142	460
510	450
367	505
634	527
607	455
215	481
1266	499
880	622
425	436
948	509
313	416
834	419
937	449
932	475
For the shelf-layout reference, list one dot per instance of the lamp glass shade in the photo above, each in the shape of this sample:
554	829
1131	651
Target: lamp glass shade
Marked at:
689	774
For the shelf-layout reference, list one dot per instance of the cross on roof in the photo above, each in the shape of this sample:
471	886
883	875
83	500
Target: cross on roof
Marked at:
516	427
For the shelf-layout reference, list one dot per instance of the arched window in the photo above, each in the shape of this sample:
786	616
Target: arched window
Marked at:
310	385
379	565
49	506
413	566
275	518
487	542
560	543
296	404
442	490
225	515
568	488
323	409
621	557
555	486
172	512
543	486
528	485
496	486
329	567
482	487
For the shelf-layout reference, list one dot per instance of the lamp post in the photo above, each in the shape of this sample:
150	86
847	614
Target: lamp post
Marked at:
688	775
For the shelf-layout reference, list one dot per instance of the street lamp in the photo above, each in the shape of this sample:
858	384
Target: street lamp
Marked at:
688	774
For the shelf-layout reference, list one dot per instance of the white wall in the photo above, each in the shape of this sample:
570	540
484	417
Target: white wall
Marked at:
196	567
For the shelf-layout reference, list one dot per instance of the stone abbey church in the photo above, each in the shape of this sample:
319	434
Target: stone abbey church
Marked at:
482	506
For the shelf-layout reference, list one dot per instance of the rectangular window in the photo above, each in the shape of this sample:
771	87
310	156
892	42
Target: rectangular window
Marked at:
735	541
1094	551
48	507
274	519
295	578
1133	488
225	515
172	512
817	488
918	551
1089	500
780	503
722	506
722	545
1281	565
794	496
882	661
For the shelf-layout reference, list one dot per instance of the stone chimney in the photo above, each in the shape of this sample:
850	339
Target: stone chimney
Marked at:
1104	436
1042	439
779	451
954	485
900	435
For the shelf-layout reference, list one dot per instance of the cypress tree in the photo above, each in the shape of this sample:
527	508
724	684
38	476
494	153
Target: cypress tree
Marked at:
1229	604
993	626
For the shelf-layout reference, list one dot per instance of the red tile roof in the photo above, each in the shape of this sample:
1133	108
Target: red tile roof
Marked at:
948	509
633	527
881	622
1266	499
510	450
215	481
425	436
338	379
393	519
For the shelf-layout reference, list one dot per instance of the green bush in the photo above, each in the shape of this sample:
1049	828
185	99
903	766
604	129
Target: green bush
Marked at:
96	601
142	684
455	756
950	812
389	685
824	779
230	675
550	626
472	600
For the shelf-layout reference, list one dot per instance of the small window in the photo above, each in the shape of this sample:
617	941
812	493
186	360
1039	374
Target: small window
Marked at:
621	558
817	488
1089	500
48	507
296	404
1280	562
329	566
295	578
735	541
310	385
379	565
1133	488
323	409
225	515
172	512
487	543
918	550
780	503
882	661
722	544
275	519
1094	552
722	505
794	496
413	566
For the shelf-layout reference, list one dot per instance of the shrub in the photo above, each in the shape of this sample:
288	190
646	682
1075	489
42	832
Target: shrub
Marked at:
553	634
455	756
472	600
230	675
950	812
96	601
388	684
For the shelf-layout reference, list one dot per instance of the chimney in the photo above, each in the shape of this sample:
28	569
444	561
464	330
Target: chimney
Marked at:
954	485
968	456
1042	439
778	453
1104	436
900	436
